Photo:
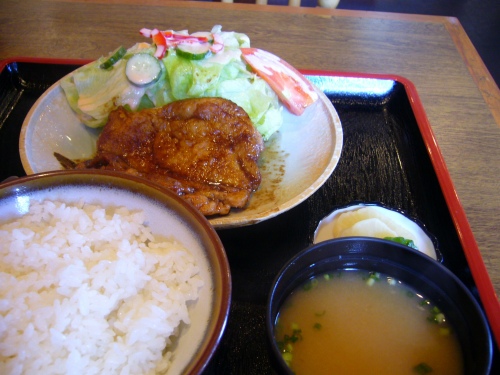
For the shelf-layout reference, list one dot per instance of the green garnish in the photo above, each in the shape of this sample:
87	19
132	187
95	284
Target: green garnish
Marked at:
286	345
310	284
425	302
317	326
402	241
330	276
436	316
422	368
372	278
293	338
320	313
114	58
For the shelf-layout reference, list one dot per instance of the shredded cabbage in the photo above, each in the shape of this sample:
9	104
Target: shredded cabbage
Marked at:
93	92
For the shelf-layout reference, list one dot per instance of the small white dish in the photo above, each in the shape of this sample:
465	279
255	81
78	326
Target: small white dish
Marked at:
375	220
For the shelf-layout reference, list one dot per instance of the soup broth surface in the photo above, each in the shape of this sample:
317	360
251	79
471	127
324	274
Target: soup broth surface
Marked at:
357	322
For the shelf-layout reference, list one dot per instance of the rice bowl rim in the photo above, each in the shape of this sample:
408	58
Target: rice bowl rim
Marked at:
216	255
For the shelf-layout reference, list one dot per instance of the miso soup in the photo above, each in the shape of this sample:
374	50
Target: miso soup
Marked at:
359	322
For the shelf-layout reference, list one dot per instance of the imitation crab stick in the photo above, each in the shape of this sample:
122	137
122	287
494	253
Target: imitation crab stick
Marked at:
293	89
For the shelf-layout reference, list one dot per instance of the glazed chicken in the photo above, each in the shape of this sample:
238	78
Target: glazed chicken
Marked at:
206	150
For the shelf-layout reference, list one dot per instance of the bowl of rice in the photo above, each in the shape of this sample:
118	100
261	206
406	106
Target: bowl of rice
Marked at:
106	273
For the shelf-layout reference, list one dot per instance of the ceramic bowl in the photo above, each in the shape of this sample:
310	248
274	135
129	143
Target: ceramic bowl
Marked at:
167	215
409	266
373	219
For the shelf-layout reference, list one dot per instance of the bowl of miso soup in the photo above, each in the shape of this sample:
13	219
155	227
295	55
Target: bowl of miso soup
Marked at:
360	305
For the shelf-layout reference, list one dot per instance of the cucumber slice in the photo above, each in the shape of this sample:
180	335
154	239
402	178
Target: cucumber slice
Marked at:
193	51
115	57
143	69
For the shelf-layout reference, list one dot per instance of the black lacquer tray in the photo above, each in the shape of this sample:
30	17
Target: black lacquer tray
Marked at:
389	156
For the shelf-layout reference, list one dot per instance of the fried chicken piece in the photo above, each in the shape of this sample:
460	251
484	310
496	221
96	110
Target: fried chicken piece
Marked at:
206	150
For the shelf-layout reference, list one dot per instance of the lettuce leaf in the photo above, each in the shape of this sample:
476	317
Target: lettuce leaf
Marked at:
93	92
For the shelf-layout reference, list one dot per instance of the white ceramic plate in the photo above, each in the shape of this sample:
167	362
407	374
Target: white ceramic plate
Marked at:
296	162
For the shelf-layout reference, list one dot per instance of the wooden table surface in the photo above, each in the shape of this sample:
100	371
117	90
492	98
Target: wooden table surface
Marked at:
459	96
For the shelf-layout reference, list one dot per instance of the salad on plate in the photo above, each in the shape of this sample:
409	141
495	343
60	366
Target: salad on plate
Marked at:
177	65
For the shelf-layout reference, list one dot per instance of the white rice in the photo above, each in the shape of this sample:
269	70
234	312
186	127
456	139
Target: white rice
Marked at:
88	290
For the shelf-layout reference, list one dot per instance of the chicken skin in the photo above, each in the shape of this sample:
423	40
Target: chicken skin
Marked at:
205	150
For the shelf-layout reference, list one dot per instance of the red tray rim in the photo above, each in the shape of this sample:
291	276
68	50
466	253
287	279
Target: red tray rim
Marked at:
491	303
